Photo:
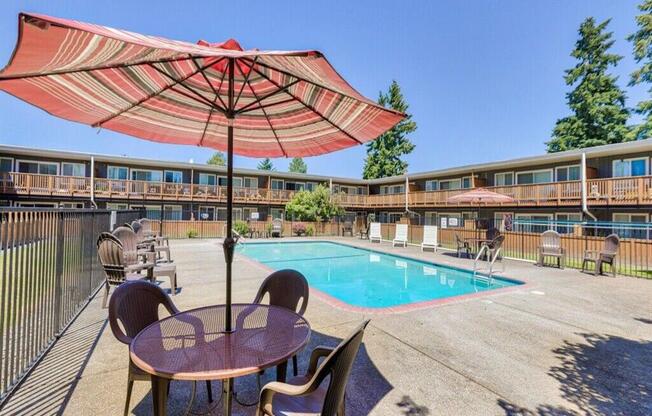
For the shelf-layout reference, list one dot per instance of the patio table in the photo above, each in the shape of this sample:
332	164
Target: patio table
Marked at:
192	345
476	243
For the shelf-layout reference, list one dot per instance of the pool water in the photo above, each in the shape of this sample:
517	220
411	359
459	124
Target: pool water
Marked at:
368	278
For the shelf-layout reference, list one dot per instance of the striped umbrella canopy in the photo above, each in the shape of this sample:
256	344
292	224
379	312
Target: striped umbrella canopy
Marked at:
250	102
480	196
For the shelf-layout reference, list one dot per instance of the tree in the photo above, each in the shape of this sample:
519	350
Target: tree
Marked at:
297	165
642	44
266	164
384	153
217	159
313	206
597	103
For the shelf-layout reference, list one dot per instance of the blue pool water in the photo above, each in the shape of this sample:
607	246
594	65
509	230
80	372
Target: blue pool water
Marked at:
368	278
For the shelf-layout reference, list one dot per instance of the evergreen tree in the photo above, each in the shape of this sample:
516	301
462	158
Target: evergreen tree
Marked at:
642	43
384	153
297	165
266	164
217	159
597	103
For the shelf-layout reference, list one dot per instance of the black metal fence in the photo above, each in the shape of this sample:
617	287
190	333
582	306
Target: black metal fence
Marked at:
48	273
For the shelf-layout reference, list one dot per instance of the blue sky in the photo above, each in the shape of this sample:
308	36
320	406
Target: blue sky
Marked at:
484	79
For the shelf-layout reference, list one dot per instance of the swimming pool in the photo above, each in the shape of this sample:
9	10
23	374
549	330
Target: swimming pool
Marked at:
367	278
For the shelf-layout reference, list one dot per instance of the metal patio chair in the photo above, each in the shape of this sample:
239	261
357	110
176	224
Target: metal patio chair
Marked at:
463	246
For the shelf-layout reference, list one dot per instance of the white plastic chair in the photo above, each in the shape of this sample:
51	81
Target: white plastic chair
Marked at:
401	235
429	237
374	232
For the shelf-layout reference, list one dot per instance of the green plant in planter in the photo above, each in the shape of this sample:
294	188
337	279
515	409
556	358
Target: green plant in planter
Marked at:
310	231
299	229
192	233
268	228
241	227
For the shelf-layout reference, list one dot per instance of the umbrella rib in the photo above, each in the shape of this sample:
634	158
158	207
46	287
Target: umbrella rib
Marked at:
311	108
141	101
261	106
181	83
266	96
99	68
246	79
217	94
267	118
210	114
371	103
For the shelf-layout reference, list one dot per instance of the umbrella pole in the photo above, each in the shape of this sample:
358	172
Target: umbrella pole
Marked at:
229	243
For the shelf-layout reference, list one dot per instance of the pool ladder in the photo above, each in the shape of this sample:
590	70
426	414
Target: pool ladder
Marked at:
484	251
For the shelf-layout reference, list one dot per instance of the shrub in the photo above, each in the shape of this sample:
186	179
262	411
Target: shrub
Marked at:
241	227
299	229
192	233
313	206
310	231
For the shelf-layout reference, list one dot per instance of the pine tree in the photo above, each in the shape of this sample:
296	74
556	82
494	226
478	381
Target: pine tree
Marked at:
297	165
266	164
597	103
642	43
217	159
384	153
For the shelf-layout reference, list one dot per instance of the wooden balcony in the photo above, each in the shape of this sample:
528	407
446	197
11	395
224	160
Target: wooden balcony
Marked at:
608	191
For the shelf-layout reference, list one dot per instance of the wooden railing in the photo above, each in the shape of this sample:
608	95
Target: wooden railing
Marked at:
608	191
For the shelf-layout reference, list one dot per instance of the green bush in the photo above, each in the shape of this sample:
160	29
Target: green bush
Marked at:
241	227
310	230
192	233
313	206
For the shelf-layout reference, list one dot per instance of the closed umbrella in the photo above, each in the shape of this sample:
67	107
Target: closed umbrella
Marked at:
250	102
480	196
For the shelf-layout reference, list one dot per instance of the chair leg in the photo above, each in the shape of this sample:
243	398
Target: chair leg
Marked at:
598	267
209	391
106	294
173	281
130	386
295	366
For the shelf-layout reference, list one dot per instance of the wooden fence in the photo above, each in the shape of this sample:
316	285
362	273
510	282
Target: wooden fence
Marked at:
217	229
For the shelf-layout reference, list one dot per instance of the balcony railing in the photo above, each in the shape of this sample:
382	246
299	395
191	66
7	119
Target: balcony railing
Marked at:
608	191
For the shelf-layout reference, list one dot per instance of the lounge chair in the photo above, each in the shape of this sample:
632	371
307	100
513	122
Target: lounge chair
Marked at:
277	228
134	306
462	246
401	235
551	247
606	255
347	228
311	394
116	270
374	232
363	233
154	243
429	237
492	233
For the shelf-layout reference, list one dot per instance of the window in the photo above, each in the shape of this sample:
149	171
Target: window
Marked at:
392	189
390	217
311	186
630	167
118	173
25	204
503	221
6	164
466	182
172	212
504	179
207	179
432	185
276	213
568	173
533	223
449	219
237	214
277	184
631	225
116	206
146	175
469	215
294	186
536	176
173	176
42	168
566	221
251	182
450	184
72	205
237	182
73	169
430	218
207	213
246	213
153	212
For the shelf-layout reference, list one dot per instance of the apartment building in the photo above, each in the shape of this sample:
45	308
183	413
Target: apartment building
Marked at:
606	183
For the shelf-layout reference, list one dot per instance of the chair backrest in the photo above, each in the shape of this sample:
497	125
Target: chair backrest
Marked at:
458	239
110	254
348	225
611	244
129	241
286	288
497	242
492	233
277	224
430	234
135	305
338	365
401	232
551	240
146	223
374	229
138	229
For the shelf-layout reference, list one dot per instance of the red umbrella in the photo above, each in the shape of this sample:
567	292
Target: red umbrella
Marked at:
479	196
250	102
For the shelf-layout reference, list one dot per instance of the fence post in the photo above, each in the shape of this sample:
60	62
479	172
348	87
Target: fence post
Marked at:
58	272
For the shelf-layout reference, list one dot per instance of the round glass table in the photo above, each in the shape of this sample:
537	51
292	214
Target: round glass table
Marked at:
193	345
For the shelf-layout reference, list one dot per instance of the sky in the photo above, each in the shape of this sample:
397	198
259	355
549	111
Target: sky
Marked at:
483	79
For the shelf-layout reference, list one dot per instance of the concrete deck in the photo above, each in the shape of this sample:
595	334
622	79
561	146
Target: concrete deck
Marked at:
566	344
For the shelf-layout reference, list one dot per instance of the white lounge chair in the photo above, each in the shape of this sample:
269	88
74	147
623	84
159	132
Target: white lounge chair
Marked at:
374	232
429	237
401	235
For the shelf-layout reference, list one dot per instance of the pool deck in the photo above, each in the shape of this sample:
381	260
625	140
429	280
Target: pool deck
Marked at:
566	343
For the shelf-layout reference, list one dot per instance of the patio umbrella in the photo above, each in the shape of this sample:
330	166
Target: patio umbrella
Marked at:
250	102
479	196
